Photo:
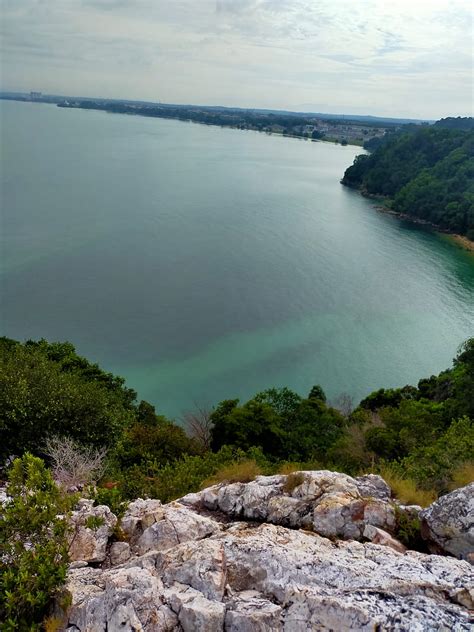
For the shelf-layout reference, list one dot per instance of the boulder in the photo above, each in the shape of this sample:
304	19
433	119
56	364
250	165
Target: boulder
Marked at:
119	553
91	530
150	526
332	504
448	524
194	610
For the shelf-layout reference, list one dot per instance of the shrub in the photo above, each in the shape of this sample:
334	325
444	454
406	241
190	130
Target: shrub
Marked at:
39	397
112	497
33	541
94	522
409	531
433	465
74	466
288	467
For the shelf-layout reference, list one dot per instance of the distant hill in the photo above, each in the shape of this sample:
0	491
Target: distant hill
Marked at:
426	173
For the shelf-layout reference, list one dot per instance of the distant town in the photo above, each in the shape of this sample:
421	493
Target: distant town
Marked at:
366	131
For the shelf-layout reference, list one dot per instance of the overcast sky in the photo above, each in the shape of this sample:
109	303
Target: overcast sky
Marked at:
401	58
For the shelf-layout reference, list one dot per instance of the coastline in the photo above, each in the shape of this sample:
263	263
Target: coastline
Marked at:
461	241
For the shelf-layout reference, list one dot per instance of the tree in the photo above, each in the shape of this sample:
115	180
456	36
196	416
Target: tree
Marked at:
39	397
317	393
283	400
33	560
198	424
253	424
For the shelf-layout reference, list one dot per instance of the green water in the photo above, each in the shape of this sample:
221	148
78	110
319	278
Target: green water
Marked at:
204	263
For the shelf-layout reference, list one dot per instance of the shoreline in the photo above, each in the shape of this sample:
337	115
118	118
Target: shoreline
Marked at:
197	122
461	241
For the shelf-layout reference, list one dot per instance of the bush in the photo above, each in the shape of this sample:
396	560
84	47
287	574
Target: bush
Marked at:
33	541
408	531
112	497
433	465
74	466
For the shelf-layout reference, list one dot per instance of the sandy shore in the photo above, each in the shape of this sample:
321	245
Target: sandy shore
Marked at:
462	241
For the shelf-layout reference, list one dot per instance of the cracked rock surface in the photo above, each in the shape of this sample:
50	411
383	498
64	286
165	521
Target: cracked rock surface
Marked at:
184	571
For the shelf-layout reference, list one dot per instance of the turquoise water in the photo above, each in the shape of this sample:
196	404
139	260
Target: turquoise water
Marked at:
204	263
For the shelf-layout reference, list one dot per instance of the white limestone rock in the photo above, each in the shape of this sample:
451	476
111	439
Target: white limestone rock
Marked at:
332	504
449	523
91	530
250	611
119	553
140	515
379	536
177	524
269	577
118	600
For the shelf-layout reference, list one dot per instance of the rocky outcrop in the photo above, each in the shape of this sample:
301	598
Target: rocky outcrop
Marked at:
273	578
195	565
91	530
331	504
449	523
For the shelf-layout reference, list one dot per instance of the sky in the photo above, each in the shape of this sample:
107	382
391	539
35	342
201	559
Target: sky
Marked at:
404	58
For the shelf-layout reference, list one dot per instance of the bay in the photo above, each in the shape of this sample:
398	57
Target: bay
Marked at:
204	263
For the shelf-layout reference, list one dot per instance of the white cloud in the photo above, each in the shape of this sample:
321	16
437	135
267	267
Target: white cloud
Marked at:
406	58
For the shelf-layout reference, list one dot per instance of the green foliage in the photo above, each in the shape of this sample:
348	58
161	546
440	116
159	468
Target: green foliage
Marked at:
408	530
42	395
33	560
317	393
253	424
433	465
94	522
236	472
279	422
428	171
283	400
112	497
152	437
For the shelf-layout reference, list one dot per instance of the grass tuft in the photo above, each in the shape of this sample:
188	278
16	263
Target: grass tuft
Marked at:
240	472
293	480
462	475
405	489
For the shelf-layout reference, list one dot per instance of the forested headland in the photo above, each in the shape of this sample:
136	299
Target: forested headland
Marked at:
424	173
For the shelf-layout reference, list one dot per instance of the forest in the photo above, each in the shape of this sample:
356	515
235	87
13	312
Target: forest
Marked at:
424	173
